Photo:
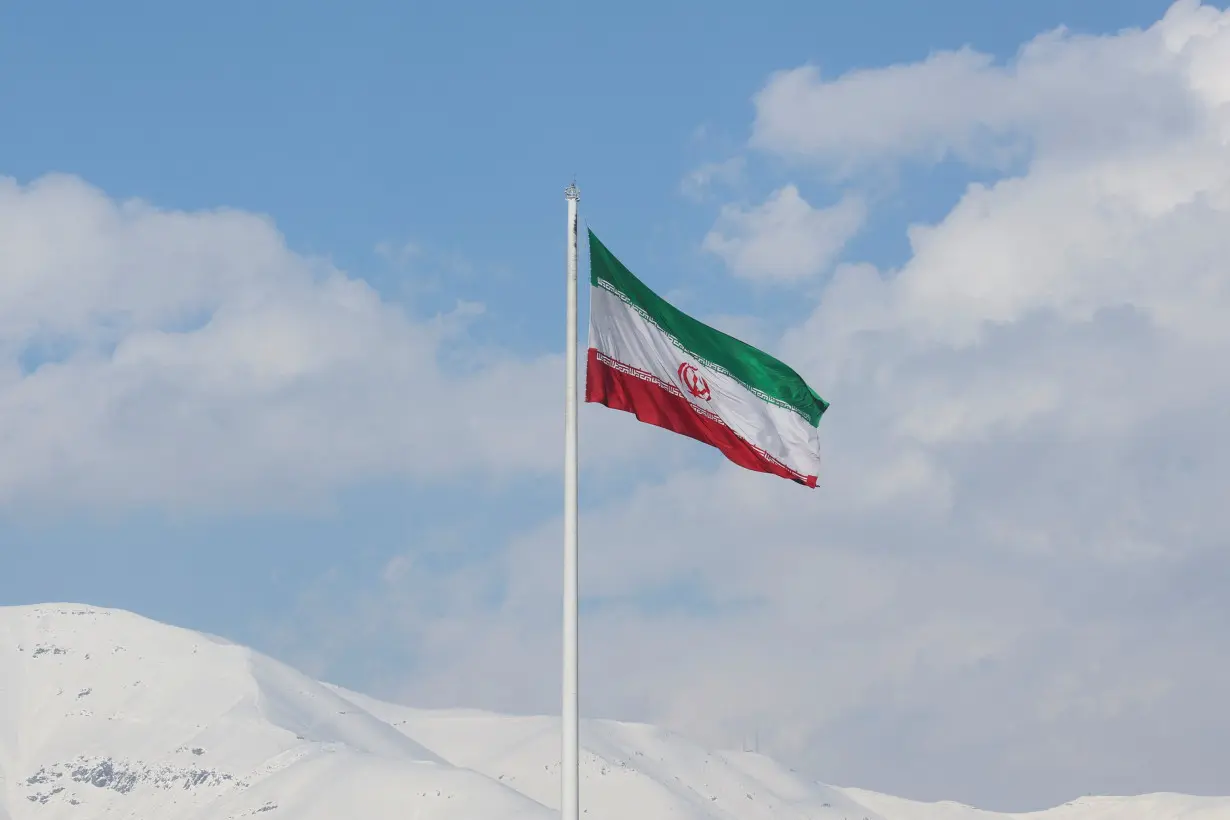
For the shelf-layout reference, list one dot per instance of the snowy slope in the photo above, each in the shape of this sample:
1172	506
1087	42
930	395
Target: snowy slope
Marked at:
106	714
103	713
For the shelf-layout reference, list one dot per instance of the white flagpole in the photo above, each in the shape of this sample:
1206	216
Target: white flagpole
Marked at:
570	763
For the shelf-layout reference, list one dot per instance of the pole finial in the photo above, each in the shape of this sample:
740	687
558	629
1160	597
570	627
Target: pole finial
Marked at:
572	191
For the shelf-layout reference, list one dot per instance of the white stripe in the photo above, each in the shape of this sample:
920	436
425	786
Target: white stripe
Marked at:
620	332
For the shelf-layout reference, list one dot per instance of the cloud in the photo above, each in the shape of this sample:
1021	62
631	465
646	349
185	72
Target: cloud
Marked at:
698	183
399	253
784	239
159	357
1009	588
1062	94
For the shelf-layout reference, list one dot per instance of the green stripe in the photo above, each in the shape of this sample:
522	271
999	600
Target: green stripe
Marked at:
758	371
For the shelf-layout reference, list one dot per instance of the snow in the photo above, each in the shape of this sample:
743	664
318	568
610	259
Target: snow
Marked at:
107	714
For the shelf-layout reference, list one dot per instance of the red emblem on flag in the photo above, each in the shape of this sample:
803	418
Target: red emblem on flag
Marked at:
693	381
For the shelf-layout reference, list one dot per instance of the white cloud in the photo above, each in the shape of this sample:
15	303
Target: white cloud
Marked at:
1063	93
784	239
1010	587
193	359
698	183
398	253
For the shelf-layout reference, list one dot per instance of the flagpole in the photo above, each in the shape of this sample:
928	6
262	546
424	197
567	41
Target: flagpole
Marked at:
570	763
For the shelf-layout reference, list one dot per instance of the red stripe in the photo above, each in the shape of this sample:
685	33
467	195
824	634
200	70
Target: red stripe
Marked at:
661	404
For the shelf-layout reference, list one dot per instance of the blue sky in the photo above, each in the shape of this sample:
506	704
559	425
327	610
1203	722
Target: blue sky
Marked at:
423	149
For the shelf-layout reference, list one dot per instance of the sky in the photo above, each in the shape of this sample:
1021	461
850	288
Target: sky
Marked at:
281	359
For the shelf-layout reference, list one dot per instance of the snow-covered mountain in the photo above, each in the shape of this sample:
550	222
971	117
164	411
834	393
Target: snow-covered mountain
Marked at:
107	714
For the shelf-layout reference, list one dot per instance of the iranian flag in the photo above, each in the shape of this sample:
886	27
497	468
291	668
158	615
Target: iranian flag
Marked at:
648	358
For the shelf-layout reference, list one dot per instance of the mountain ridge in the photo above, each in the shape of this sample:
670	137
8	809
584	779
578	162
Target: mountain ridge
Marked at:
104	713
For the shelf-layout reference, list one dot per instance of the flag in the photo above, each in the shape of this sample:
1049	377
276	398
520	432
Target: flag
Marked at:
648	358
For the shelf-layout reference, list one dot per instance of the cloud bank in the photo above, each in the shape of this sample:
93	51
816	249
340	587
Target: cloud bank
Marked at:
193	360
784	239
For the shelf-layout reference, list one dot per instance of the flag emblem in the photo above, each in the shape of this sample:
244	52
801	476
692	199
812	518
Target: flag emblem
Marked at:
694	382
